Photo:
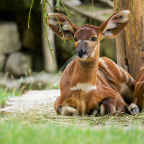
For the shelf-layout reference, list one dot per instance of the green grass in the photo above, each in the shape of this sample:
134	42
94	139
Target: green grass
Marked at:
16	133
43	126
5	94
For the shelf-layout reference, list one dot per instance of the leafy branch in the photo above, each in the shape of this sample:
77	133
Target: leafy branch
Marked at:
45	19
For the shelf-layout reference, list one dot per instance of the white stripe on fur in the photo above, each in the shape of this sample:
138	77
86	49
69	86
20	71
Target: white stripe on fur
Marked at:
118	69
93	53
127	77
141	68
106	67
84	87
67	110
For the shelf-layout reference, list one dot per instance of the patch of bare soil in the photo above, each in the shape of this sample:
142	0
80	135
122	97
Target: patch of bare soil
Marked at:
37	106
32	100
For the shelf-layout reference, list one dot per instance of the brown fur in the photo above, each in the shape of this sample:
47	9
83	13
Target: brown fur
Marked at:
139	89
114	86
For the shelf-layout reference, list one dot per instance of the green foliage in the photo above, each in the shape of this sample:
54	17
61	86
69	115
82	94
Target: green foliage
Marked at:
43	126
15	133
30	13
5	94
118	7
45	16
118	3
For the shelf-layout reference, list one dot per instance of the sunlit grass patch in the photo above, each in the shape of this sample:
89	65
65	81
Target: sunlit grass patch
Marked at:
5	94
47	115
43	125
15	133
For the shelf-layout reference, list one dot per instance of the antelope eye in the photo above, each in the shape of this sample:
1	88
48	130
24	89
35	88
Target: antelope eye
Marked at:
75	39
94	39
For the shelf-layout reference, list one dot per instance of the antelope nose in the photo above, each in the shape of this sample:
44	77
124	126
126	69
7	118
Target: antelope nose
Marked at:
80	53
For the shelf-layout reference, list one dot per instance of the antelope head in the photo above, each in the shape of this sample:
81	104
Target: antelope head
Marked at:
87	37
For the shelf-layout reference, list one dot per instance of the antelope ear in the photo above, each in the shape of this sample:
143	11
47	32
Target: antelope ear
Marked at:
67	26
115	24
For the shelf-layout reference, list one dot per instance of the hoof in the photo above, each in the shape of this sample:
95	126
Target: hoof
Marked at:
68	111
134	109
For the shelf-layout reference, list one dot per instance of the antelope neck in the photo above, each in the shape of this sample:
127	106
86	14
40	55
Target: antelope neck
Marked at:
87	71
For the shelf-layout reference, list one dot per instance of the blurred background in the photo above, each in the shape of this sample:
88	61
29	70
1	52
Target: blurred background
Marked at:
25	60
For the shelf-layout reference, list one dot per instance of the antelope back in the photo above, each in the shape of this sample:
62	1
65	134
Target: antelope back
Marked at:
138	96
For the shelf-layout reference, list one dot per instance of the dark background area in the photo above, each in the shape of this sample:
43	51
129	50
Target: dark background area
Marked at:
17	11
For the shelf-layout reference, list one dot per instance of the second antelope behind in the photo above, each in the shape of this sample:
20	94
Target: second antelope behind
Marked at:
89	84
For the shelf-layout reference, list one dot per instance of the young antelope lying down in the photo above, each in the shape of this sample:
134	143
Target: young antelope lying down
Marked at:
91	84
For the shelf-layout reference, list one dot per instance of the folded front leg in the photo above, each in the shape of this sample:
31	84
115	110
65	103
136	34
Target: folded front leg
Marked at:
112	105
69	107
67	111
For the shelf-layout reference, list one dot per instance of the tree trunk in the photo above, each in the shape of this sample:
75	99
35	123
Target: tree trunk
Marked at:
48	61
130	43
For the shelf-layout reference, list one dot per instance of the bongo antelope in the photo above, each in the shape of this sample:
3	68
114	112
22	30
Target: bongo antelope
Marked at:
90	84
138	96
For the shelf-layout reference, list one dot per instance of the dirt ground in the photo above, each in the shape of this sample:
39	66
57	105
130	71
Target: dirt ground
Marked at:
37	106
